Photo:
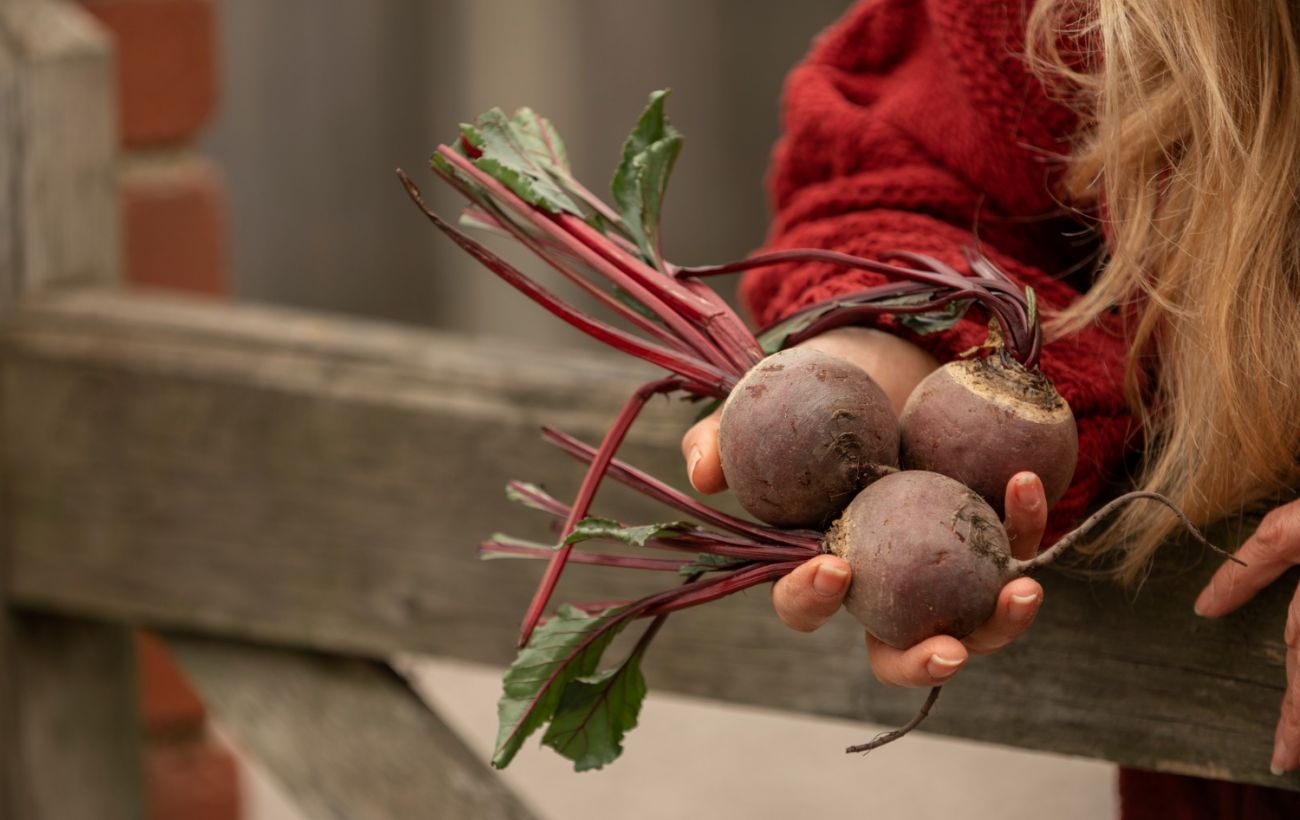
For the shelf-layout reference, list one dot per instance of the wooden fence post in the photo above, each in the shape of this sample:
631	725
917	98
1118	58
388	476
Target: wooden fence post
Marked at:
69	745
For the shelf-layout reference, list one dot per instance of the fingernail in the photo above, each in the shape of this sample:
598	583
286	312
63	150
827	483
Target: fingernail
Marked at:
1025	491
1022	606
829	580
693	461
1280	753
1202	605
940	667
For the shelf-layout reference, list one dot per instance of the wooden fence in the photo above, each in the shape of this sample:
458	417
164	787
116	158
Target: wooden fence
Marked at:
293	498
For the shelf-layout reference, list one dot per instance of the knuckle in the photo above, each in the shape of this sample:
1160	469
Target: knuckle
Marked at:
1276	532
886	673
987	646
794	623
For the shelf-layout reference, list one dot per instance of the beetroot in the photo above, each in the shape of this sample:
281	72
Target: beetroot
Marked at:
928	556
981	421
515	173
801	434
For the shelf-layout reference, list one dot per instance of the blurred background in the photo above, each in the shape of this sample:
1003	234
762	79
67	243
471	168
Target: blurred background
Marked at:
317	109
259	143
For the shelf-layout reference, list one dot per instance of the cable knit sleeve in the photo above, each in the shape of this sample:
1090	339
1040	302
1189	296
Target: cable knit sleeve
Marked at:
915	125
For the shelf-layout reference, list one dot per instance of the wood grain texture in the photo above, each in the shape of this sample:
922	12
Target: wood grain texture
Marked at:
69	745
78	722
322	483
62	146
345	737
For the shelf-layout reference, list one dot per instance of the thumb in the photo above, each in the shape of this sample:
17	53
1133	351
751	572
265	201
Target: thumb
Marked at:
806	598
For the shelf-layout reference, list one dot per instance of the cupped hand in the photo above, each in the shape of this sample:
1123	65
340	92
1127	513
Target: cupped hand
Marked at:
1270	551
895	364
810	595
814	592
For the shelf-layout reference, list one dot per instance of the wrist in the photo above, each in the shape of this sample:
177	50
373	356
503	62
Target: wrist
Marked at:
896	364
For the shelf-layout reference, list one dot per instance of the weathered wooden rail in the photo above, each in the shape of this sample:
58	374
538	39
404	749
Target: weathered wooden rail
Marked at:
296	497
314	482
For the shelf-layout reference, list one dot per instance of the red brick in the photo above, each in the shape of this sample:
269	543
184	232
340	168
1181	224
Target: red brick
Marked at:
166	66
195	780
170	707
173	213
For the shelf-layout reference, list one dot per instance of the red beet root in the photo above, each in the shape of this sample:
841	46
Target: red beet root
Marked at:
801	434
981	421
928	556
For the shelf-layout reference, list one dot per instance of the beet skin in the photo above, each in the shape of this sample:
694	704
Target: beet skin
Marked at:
801	434
981	421
929	557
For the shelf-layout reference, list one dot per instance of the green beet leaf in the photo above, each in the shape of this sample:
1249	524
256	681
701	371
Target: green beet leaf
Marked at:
933	322
642	177
532	495
525	154
707	562
774	338
595	713
590	528
562	650
510	541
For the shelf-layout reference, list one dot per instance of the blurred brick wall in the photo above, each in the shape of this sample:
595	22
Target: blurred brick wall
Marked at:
173	216
173	200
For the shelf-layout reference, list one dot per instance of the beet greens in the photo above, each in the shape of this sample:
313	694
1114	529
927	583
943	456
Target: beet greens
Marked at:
515	174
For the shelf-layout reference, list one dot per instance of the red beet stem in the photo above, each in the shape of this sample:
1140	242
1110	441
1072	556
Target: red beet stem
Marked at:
587	492
652	487
997	294
759	552
538	498
722	586
1081	532
580	239
891	736
559	258
596	558
702	305
693	539
710	380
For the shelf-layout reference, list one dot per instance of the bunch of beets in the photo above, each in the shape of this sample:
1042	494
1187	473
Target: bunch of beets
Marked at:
809	443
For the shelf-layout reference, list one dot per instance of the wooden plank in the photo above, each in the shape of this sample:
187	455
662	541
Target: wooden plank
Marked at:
69	745
346	737
62	144
78	723
321	482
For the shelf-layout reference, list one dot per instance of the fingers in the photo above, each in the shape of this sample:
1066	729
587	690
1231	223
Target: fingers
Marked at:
1286	740
1017	607
806	598
1026	506
1273	547
700	449
929	663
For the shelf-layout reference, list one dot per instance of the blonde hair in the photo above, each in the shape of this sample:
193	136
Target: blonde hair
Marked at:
1190	153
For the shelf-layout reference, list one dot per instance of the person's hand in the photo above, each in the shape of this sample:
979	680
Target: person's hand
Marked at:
814	592
1274	548
894	363
810	595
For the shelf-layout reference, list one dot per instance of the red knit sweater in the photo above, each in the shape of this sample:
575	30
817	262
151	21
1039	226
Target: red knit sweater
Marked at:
909	125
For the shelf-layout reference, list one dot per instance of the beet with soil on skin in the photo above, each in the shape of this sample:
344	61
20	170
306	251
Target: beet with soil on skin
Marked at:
929	557
801	434
981	421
